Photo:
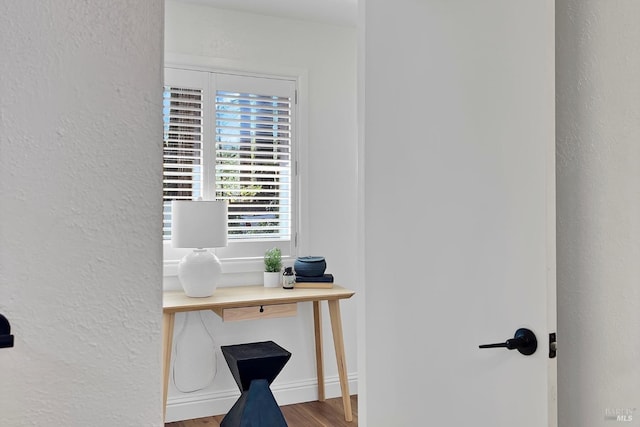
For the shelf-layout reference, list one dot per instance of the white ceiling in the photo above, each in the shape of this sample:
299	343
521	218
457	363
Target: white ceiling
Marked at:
340	12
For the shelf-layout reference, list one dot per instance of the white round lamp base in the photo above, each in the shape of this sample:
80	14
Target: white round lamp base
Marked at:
199	272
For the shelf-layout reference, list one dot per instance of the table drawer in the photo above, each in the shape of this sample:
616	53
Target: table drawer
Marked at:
258	312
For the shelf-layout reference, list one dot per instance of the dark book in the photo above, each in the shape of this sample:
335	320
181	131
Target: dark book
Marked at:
325	278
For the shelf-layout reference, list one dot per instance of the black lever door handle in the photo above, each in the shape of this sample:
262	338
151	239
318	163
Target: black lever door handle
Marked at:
524	340
6	339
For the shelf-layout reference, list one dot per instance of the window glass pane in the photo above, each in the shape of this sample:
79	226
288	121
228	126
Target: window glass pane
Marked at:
182	157
253	164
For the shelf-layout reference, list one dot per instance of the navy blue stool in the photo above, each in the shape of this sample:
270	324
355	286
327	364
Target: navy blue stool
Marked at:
254	366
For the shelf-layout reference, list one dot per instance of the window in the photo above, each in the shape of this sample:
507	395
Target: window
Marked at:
232	137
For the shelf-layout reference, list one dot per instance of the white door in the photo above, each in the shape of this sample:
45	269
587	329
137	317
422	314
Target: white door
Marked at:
458	234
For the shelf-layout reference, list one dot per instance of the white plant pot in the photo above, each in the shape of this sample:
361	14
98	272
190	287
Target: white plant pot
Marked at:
271	280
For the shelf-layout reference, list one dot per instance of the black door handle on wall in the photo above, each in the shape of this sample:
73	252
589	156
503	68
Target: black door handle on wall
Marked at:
6	339
524	341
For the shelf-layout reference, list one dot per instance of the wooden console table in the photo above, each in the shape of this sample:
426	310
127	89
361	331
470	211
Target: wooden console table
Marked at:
258	302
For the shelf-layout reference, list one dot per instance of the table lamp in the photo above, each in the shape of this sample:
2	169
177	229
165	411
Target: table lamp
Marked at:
199	225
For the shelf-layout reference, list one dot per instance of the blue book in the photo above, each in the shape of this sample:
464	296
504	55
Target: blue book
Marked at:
325	278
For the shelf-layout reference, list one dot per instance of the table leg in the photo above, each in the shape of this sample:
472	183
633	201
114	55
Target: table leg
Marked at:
338	343
167	338
317	326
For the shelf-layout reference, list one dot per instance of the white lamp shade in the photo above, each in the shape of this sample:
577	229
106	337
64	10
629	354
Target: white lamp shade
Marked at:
198	224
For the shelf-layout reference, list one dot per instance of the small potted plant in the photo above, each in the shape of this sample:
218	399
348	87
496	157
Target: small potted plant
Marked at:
272	267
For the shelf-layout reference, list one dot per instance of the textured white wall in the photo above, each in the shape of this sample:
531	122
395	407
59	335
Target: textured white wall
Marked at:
598	202
80	212
327	54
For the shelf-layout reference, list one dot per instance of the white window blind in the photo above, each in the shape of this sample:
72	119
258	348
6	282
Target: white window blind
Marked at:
253	163
182	154
231	137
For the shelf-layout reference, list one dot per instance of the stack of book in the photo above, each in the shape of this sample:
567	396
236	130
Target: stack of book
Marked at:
322	282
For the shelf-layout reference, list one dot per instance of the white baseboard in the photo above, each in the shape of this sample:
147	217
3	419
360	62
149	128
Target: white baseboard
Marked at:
215	403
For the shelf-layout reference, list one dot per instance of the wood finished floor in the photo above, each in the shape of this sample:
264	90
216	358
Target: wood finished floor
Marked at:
310	414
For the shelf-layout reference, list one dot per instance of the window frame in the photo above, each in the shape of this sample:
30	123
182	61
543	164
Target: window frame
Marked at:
231	257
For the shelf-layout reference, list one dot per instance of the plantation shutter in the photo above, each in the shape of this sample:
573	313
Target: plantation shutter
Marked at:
253	155
183	115
230	137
